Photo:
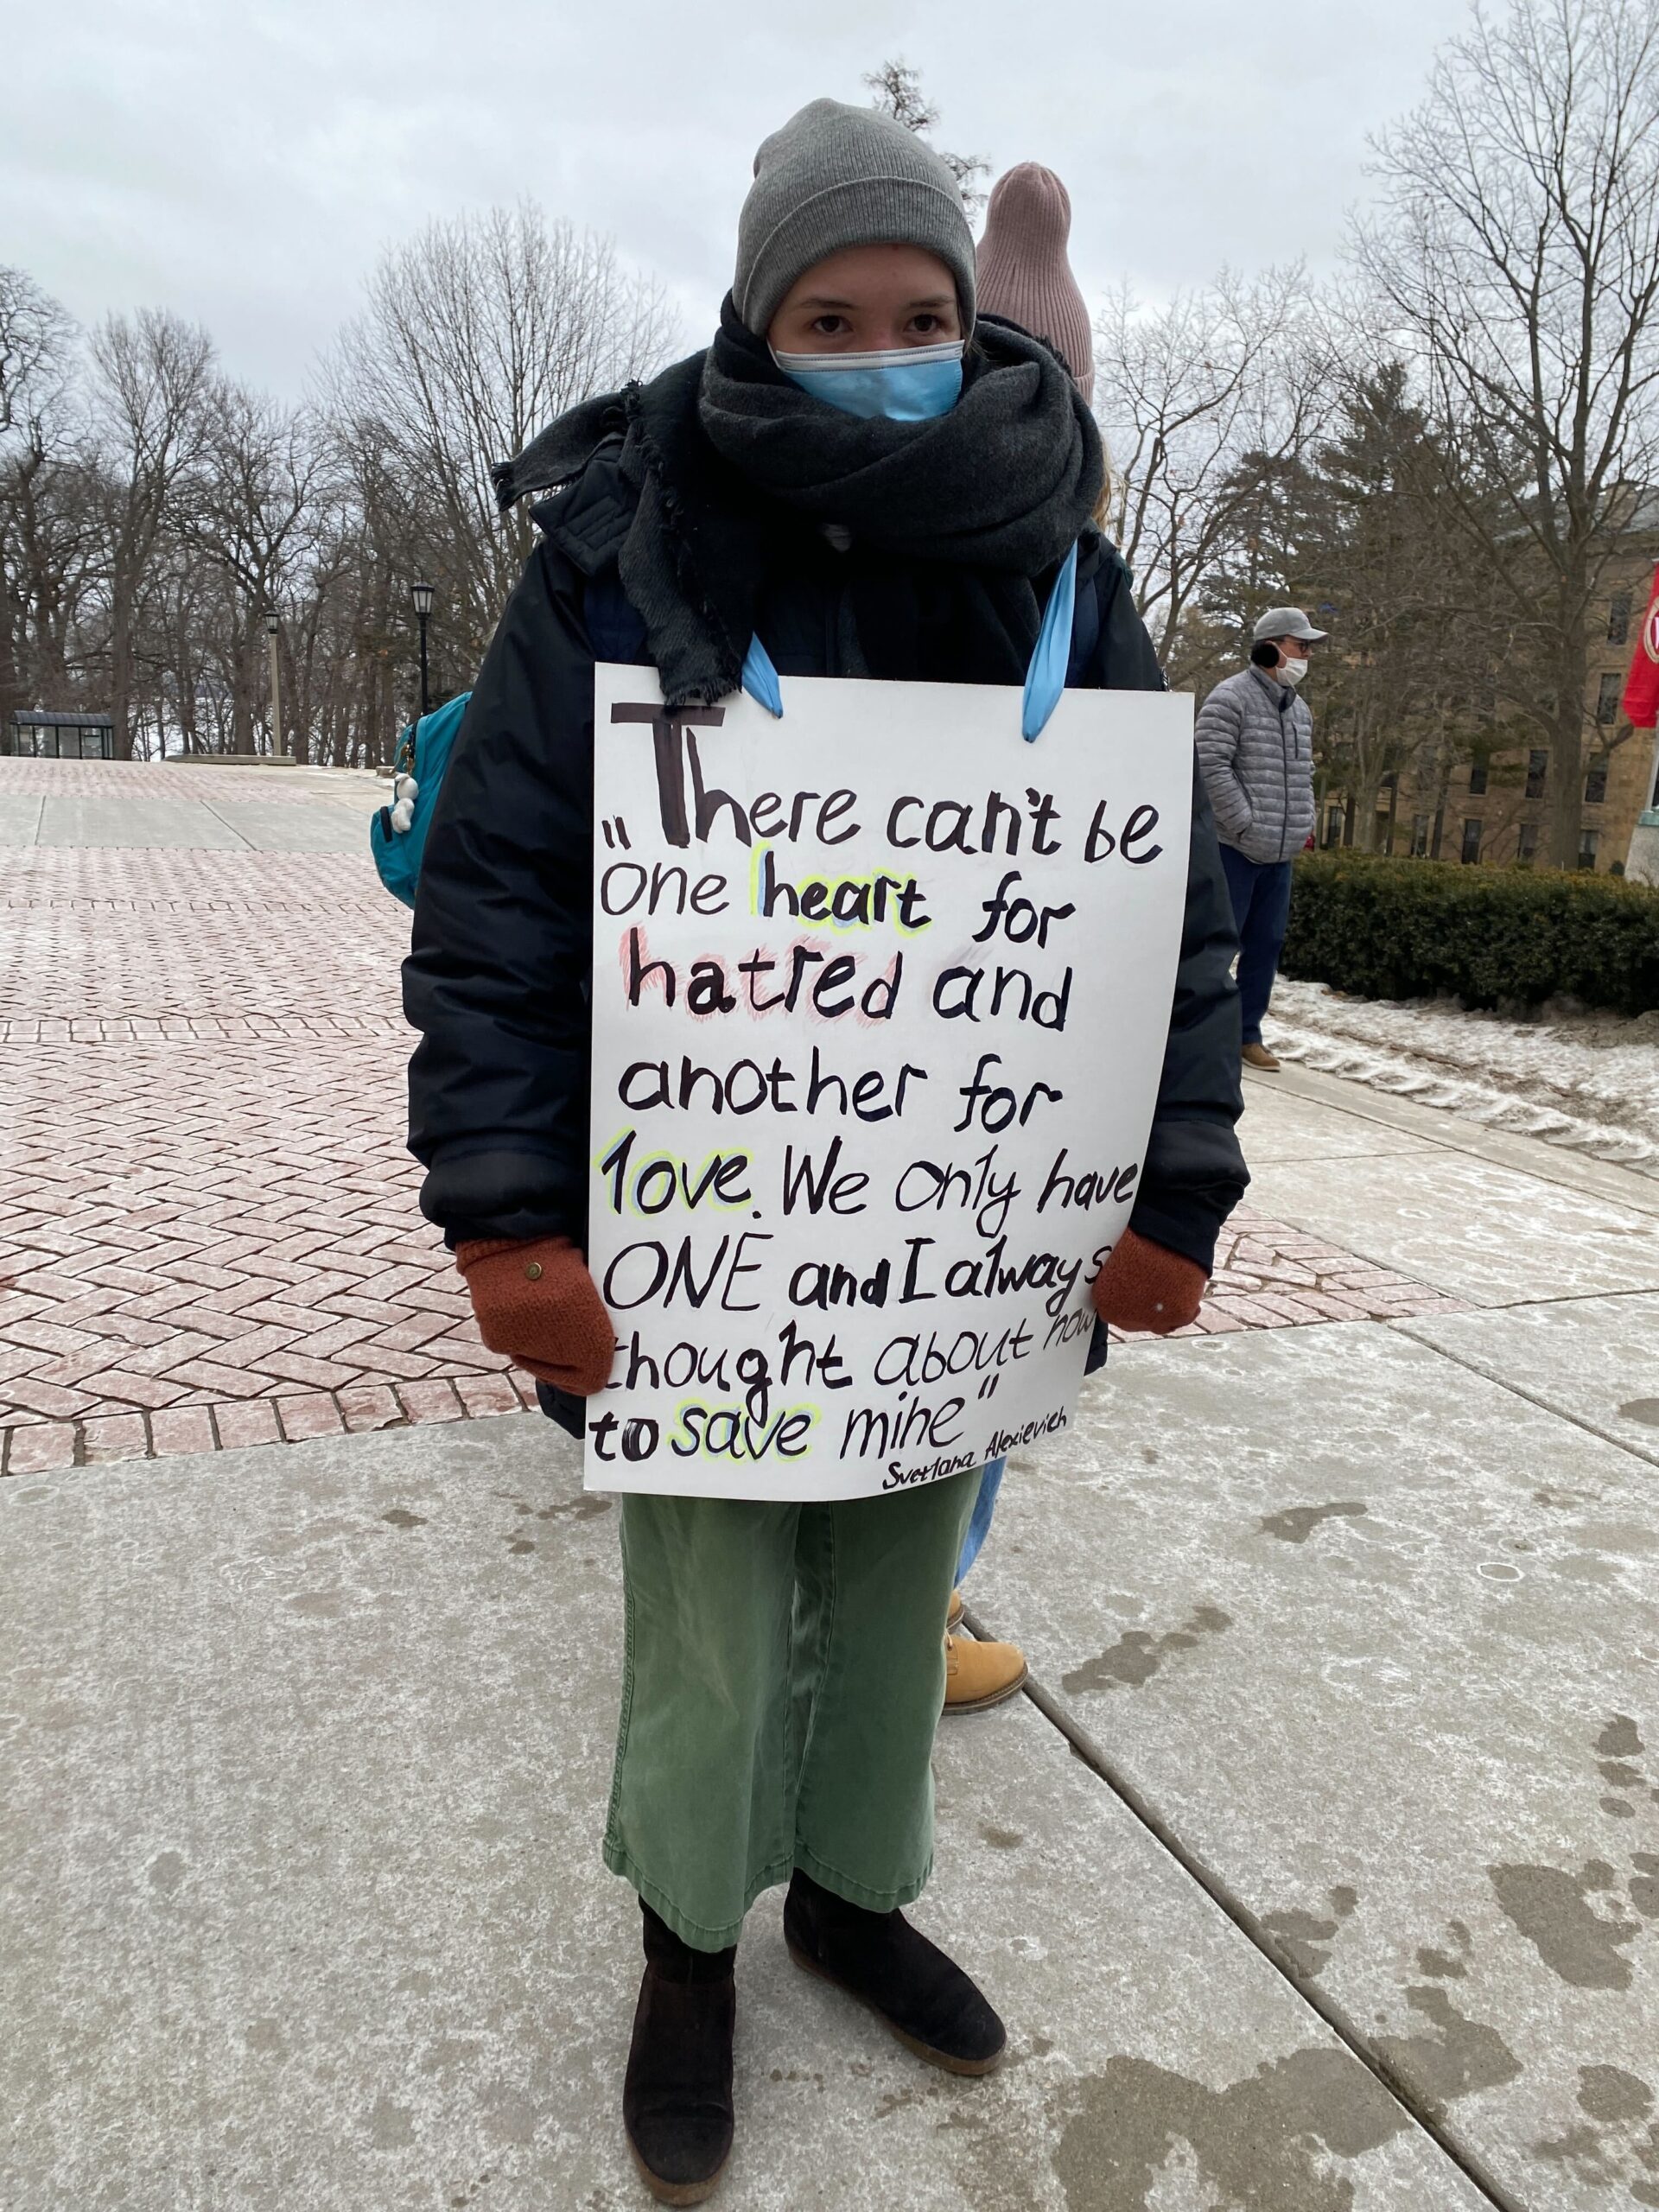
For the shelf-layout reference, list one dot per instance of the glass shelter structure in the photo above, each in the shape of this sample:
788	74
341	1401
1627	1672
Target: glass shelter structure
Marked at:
38	734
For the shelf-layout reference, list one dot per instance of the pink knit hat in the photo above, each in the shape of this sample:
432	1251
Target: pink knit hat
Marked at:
1020	270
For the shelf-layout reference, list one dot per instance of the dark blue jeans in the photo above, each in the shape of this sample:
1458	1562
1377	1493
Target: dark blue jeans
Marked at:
1260	894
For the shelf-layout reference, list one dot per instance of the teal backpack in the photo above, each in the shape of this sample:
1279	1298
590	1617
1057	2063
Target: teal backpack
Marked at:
398	832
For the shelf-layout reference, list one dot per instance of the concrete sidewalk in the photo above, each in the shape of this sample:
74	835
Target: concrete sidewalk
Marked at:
1351	1899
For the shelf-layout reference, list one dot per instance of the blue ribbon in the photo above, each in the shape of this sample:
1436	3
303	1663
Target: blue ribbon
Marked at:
1045	678
760	679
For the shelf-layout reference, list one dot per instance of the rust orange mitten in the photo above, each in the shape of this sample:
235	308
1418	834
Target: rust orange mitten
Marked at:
1146	1285
536	1301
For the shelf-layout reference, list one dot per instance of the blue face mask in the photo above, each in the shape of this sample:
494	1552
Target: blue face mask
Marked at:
911	383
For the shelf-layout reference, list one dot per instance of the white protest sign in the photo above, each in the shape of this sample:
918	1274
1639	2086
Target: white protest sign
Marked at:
880	996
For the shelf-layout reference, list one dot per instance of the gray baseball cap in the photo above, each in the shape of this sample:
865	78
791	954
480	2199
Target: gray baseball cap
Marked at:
1286	622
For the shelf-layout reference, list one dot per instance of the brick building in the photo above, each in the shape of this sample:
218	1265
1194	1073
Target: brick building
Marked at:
1496	811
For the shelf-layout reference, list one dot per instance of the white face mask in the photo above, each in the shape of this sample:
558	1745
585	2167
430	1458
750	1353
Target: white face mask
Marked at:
1291	671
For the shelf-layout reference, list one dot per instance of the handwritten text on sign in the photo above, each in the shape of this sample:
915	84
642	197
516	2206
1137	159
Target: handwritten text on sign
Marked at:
880	996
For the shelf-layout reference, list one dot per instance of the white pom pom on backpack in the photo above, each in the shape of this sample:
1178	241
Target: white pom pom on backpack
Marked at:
404	793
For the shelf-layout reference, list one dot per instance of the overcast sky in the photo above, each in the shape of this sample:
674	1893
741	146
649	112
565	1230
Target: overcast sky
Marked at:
243	163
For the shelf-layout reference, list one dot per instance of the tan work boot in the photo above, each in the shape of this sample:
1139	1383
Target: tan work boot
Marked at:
978	1675
953	1618
1258	1056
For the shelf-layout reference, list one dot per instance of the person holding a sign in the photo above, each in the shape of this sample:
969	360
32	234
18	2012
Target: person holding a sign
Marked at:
850	482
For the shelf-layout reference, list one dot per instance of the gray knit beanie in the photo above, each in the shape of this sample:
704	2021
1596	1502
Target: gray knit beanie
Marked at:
837	176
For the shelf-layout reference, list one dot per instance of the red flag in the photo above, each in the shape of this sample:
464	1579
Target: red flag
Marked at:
1640	704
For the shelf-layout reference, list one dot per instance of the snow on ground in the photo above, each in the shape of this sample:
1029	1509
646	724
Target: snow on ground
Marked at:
1589	1081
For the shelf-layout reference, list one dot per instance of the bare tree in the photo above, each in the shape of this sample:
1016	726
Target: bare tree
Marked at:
151	511
151	383
1518	253
36	342
1185	394
476	335
36	336
896	90
250	506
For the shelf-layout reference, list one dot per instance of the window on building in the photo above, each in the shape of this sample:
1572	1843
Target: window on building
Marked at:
1470	840
1618	618
1418	837
1526	847
1607	693
1595	781
1333	826
1477	778
1537	770
1588	840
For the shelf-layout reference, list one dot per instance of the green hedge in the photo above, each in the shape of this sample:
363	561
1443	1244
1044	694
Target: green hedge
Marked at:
1411	928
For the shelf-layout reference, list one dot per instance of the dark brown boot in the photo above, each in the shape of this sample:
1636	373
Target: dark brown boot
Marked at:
676	2097
925	1997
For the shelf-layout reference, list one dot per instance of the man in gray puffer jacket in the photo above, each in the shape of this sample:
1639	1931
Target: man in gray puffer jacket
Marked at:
1256	745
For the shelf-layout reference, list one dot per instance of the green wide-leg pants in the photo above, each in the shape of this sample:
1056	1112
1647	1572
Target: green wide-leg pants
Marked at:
783	1679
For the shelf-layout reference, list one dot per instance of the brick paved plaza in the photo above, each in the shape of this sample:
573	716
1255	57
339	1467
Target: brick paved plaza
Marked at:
208	1228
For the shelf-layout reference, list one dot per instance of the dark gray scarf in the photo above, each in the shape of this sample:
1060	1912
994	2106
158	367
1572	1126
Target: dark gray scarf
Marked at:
956	522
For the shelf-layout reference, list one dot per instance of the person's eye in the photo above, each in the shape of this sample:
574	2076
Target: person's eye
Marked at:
830	326
925	325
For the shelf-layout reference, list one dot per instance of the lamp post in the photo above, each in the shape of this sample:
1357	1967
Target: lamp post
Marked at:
273	634
421	598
